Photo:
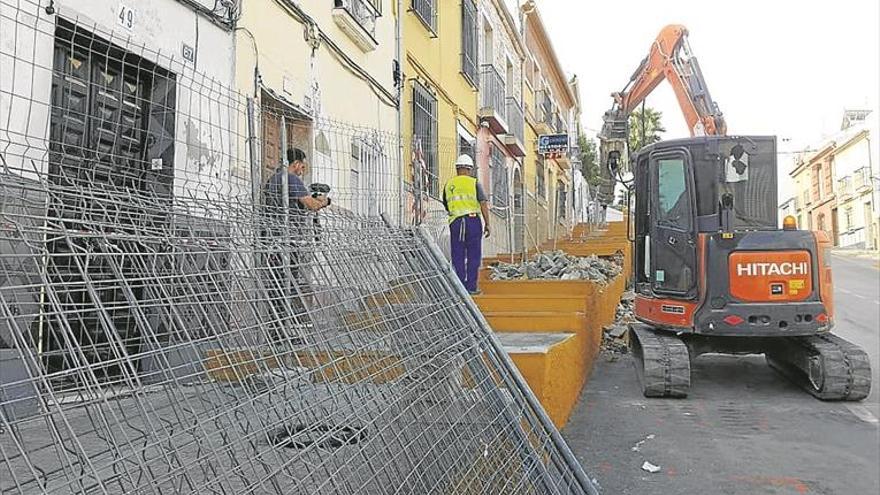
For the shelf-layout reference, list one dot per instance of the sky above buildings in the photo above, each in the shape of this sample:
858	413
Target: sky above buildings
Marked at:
780	67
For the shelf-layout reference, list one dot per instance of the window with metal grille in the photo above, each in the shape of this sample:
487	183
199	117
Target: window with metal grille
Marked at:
500	187
540	178
367	180
426	10
469	41
561	200
425	131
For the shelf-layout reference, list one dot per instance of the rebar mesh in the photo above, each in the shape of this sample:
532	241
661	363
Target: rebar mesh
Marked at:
161	331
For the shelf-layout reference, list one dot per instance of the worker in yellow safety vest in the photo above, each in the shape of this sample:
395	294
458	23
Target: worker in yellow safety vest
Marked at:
465	201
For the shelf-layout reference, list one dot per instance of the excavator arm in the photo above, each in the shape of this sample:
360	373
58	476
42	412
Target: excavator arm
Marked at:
670	59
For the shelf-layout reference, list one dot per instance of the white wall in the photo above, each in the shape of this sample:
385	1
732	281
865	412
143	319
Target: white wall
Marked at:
207	110
850	159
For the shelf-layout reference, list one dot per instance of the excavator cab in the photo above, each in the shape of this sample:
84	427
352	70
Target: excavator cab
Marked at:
713	273
691	186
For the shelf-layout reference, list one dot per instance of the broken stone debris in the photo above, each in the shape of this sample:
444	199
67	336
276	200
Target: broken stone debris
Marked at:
614	338
561	266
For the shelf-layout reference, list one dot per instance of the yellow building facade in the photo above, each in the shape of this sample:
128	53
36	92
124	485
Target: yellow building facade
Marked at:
439	108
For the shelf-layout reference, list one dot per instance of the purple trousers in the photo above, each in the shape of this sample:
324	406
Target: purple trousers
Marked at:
466	236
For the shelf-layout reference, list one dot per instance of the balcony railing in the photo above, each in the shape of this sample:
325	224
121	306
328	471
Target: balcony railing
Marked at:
492	91
426	10
558	124
543	107
515	119
362	11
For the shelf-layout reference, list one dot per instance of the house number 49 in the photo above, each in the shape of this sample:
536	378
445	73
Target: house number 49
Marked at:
125	16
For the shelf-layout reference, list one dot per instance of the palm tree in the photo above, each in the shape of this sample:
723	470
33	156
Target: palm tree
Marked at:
652	130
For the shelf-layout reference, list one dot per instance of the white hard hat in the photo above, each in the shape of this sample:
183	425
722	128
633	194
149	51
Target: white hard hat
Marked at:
464	161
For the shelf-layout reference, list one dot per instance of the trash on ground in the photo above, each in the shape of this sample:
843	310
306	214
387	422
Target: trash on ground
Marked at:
638	446
647	466
561	266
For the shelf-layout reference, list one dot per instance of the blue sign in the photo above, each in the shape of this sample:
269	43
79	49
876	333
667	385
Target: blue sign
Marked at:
552	143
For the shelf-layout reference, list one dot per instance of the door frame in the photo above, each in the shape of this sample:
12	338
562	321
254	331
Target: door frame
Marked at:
657	241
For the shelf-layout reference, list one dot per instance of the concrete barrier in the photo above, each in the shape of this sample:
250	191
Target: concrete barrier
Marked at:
552	329
552	366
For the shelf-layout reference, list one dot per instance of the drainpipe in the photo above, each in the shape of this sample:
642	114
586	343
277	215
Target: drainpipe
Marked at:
401	193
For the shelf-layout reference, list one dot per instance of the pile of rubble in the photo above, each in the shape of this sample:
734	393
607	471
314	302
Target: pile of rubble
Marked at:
614	338
561	266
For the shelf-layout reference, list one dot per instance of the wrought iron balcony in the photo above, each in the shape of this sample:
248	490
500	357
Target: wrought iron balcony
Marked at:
515	138
543	112
357	18
426	10
493	108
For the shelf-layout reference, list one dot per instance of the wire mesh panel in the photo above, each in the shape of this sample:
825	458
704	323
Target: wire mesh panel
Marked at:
167	328
337	359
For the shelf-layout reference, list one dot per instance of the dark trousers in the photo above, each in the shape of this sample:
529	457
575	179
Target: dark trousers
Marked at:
287	290
466	236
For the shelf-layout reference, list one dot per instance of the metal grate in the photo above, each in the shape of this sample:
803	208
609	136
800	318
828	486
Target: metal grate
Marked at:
469	41
516	120
426	10
183	337
540	177
500	183
492	90
425	130
561	200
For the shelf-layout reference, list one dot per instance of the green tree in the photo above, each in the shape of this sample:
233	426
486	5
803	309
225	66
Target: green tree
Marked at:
589	155
653	128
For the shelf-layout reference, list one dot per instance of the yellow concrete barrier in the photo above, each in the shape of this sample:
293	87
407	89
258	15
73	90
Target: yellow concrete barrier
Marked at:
536	322
553	366
492	303
235	365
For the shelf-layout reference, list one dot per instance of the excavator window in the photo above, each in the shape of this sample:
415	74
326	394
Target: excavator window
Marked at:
672	255
674	202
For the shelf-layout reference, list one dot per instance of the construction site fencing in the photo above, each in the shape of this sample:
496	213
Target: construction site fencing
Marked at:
166	329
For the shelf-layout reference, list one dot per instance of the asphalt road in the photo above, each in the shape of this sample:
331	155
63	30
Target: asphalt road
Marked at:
744	429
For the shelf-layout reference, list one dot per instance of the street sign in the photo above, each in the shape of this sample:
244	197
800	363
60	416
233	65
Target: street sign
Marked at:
552	144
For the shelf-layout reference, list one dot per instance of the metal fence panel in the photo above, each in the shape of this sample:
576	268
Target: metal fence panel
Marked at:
163	331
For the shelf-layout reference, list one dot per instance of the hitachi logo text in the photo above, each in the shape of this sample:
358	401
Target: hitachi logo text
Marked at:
763	269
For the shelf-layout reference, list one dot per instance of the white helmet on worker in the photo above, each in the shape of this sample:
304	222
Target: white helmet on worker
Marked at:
464	161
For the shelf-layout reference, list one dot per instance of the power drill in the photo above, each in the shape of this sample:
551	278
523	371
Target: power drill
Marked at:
320	190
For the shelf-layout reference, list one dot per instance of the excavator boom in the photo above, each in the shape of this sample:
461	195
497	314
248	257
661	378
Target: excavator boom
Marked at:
670	59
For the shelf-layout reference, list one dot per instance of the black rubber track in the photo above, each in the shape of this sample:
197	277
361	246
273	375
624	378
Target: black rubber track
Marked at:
826	366
662	362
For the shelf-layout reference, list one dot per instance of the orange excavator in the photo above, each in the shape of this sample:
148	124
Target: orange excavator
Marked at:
713	272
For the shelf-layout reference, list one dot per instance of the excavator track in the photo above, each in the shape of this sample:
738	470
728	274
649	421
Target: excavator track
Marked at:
662	362
826	366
